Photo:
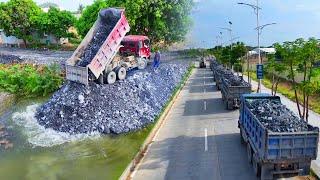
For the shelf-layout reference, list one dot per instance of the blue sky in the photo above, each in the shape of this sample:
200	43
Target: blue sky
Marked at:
294	18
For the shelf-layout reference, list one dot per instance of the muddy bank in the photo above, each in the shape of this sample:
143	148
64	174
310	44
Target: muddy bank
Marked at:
6	100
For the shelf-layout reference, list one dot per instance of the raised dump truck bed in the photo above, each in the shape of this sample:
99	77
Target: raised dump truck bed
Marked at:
105	54
276	153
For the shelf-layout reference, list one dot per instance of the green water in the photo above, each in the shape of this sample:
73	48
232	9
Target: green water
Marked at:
44	154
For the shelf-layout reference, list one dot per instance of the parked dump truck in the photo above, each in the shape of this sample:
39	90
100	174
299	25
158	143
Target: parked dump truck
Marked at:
276	147
217	76
107	65
231	92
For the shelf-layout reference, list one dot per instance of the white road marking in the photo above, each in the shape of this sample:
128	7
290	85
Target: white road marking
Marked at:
205	105
205	140
204	90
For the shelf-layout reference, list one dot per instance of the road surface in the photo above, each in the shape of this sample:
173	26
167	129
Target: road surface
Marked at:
199	139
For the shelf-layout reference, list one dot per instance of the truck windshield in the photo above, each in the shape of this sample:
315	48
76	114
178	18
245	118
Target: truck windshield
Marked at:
146	42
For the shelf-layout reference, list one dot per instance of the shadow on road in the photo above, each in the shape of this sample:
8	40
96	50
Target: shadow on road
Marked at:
197	107
201	81
202	89
185	157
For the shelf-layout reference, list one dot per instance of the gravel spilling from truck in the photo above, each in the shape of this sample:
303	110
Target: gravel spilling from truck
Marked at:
276	117
125	106
108	20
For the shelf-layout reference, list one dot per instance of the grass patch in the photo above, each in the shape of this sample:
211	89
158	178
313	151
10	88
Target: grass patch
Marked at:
285	88
29	80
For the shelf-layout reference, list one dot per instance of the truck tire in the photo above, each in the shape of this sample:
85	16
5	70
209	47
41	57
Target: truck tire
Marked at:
142	63
256	166
229	105
249	153
121	73
100	79
202	65
241	137
111	77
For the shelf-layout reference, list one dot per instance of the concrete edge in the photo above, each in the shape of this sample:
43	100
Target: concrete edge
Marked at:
6	101
126	175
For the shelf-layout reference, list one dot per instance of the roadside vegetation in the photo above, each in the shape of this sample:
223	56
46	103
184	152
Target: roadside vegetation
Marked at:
284	87
163	22
25	20
300	57
29	80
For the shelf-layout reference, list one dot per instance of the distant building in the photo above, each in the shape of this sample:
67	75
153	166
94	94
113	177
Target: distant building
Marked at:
253	56
46	6
9	40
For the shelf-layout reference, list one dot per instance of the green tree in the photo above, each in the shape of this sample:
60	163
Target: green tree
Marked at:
161	20
55	22
90	14
274	68
17	18
289	53
309	55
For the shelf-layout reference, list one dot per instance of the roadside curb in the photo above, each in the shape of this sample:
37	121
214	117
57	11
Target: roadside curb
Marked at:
126	175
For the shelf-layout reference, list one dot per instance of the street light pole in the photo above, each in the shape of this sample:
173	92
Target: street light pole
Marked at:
256	11
230	33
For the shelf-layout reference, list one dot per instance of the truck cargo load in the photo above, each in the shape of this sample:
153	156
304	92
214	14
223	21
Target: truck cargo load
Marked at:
278	142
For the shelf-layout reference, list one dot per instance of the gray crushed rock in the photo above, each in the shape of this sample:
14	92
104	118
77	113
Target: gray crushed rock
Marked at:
125	106
276	117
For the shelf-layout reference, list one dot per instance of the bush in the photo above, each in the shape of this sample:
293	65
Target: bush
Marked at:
29	80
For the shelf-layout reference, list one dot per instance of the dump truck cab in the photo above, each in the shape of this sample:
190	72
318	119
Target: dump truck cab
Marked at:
136	45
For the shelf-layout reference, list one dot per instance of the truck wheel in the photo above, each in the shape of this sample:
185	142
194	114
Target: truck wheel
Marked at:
229	105
121	73
256	166
241	137
111	77
249	153
100	79
142	63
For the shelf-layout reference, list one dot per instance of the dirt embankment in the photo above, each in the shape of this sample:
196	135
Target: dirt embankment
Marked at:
6	100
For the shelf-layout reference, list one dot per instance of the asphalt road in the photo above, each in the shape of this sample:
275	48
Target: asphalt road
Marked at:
199	140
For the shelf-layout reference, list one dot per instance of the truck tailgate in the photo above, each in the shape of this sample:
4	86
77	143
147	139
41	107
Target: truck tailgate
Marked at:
77	74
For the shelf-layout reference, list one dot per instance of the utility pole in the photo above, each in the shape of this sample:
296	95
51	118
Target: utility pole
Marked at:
230	33
259	31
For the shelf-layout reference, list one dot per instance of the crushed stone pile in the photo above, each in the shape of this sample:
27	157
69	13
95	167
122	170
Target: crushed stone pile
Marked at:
9	59
125	106
107	20
276	117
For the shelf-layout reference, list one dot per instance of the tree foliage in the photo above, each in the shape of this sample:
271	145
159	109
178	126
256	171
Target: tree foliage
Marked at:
55	22
161	20
230	56
301	56
274	68
17	18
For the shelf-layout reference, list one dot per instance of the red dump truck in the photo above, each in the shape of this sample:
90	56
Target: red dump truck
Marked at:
108	65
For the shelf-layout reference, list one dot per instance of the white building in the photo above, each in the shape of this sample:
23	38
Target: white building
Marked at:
9	40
